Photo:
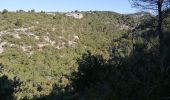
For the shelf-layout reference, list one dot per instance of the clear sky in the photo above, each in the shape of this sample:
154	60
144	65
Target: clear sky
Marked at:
121	6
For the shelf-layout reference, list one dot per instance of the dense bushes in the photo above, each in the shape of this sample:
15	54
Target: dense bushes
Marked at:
41	68
135	77
8	87
120	64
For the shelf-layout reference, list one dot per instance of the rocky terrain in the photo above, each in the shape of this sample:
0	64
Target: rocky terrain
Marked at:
41	49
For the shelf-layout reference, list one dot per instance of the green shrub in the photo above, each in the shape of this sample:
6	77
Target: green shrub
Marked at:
19	22
4	11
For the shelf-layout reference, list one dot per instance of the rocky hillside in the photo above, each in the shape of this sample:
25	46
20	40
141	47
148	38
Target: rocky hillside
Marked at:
40	49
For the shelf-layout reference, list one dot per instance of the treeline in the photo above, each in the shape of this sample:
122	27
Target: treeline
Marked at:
31	11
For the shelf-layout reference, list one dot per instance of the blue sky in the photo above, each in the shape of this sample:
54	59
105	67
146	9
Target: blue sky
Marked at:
121	6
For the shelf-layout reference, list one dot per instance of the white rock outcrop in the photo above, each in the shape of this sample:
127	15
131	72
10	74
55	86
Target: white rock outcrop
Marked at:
75	15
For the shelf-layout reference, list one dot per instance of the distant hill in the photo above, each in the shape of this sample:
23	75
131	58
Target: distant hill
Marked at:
140	14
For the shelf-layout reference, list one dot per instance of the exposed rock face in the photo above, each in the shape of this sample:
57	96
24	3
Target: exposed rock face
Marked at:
60	45
124	26
41	41
76	37
25	47
1	46
141	15
53	14
75	15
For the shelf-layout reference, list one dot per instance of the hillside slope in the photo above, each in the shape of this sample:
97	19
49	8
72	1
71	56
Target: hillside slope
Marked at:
39	49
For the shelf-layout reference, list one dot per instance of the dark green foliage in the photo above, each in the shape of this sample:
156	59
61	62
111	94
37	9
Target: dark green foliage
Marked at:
42	11
8	87
20	11
4	11
32	11
88	72
56	94
137	77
